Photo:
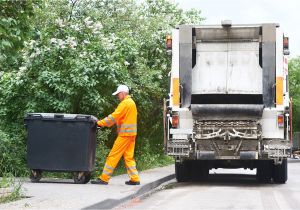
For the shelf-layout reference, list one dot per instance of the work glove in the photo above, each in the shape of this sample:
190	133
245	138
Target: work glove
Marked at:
99	124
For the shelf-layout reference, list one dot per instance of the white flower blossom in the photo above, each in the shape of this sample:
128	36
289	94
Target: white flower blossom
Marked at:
61	43
97	28
83	54
76	27
37	51
22	68
72	42
60	22
107	43
88	21
32	43
53	41
86	42
126	63
32	55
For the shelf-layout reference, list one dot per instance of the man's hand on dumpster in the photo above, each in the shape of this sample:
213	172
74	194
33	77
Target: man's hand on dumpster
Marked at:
99	123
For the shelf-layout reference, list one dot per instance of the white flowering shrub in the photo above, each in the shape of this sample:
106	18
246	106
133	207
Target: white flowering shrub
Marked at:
83	51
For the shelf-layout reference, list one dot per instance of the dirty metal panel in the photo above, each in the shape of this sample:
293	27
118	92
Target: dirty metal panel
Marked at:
226	111
244	74
185	64
269	63
213	34
209	74
227	68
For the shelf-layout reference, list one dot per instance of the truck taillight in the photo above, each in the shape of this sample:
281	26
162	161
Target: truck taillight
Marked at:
286	50
285	42
168	42
280	121
175	120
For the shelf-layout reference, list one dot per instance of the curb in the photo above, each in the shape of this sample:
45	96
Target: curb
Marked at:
111	203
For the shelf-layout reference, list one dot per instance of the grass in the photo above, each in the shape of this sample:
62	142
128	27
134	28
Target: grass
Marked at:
15	186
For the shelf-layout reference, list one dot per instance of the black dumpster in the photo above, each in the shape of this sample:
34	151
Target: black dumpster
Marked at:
61	143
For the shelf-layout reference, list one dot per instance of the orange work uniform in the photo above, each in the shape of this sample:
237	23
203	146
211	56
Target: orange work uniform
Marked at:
125	117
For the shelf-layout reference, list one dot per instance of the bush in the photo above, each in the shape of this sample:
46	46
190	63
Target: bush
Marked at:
79	54
13	188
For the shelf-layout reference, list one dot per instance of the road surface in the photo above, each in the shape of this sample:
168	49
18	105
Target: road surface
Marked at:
225	189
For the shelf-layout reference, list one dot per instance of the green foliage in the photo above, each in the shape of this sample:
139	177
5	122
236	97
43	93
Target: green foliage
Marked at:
294	88
9	183
83	51
15	28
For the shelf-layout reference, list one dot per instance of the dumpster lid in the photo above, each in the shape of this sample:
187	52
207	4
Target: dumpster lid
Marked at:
61	117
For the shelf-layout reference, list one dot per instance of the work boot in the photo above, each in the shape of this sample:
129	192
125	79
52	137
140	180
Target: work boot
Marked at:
132	183
99	181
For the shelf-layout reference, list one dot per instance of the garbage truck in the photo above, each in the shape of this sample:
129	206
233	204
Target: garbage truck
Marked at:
228	104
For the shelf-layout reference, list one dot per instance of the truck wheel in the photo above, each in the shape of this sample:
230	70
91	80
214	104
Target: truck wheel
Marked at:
264	171
280	172
82	177
181	172
35	175
199	171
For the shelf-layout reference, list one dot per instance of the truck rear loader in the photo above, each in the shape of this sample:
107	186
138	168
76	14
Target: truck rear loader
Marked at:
228	105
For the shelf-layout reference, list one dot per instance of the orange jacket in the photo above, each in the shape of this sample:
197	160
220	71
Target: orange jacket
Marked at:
125	116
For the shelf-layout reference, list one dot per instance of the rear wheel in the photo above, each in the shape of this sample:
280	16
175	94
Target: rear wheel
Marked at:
199	170
82	177
35	175
181	172
264	171
280	172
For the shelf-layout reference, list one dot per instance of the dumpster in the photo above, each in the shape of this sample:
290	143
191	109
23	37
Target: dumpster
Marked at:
61	143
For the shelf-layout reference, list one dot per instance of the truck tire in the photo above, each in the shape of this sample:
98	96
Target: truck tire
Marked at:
264	171
181	172
280	172
199	170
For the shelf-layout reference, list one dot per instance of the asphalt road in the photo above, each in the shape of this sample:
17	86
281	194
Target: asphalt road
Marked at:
225	189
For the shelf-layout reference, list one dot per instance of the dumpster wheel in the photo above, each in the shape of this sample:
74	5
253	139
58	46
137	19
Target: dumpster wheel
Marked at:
82	177
35	175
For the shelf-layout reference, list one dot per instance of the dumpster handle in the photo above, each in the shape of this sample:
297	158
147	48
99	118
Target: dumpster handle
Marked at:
35	115
82	117
58	116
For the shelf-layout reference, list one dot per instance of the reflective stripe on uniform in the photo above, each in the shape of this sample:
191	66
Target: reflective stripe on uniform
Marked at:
131	170
127	125
107	173
109	167
127	131
112	118
131	167
106	121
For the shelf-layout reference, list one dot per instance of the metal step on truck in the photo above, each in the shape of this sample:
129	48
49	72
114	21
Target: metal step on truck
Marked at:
228	104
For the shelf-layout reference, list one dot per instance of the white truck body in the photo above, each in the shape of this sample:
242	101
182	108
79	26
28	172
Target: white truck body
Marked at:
228	103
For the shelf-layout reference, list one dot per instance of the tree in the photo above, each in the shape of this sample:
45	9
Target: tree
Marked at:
84	50
15	28
294	88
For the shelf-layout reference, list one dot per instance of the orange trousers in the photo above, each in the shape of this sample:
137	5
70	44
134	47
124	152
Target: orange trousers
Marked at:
123	146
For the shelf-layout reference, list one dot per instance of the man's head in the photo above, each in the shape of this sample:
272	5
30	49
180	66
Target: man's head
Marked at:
122	92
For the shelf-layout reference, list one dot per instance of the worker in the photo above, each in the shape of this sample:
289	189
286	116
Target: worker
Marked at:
125	117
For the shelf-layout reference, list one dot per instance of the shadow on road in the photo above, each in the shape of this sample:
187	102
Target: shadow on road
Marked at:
231	180
55	181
